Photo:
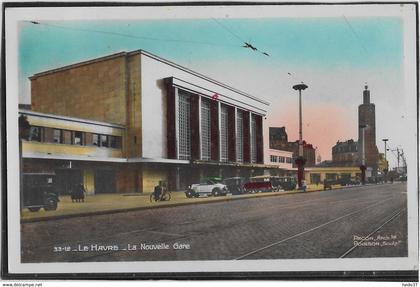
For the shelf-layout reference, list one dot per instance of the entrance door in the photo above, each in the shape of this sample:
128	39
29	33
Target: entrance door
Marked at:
105	181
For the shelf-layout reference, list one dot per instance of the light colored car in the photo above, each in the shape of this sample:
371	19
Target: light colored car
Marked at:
207	188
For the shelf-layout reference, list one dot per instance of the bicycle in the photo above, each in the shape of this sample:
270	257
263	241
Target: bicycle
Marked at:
164	196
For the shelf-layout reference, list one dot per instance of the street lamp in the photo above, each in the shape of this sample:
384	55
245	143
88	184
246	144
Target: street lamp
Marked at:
386	162
363	165
300	160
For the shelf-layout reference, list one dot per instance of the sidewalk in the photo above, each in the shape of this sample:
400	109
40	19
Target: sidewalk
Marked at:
118	202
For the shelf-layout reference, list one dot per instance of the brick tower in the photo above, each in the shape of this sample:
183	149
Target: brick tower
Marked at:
368	127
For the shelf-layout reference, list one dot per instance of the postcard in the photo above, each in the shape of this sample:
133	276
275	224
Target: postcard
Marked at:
211	138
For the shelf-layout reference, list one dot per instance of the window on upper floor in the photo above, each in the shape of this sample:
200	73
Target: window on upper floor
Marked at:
281	159
273	158
114	142
95	140
35	134
78	138
104	141
57	136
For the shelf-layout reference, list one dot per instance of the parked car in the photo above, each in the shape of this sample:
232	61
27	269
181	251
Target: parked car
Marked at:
235	185
262	183
287	182
206	188
328	183
39	191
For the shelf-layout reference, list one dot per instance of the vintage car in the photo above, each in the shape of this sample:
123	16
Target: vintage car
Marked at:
287	182
208	188
344	181
235	185
262	183
39	191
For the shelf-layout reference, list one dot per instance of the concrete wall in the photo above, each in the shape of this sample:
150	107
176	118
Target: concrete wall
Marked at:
134	107
153	100
92	90
151	177
275	152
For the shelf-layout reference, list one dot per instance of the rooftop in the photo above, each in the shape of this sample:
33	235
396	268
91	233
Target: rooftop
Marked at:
150	55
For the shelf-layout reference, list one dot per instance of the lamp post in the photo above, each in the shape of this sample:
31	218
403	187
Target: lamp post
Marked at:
386	162
363	165
300	160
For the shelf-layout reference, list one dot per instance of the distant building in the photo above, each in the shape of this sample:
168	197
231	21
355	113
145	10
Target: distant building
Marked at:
280	158
278	136
317	175
279	141
367	133
345	153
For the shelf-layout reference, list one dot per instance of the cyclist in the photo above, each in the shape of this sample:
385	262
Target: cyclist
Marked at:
157	192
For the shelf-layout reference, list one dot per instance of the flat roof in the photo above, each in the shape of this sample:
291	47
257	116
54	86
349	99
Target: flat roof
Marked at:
150	55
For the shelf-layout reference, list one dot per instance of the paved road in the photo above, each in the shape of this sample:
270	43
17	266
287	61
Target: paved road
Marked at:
311	225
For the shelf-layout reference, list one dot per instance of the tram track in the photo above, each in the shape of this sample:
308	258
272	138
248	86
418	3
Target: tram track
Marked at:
395	215
309	230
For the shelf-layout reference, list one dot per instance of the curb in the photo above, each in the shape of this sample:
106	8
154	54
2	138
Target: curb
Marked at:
112	211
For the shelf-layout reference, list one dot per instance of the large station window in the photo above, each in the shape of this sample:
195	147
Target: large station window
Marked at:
239	136
205	130
184	125
224	133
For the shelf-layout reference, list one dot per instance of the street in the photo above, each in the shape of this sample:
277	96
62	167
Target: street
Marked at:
362	221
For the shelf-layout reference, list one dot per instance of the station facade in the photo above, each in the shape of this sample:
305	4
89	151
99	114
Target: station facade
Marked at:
123	122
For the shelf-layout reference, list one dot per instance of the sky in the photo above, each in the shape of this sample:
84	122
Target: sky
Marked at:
335	57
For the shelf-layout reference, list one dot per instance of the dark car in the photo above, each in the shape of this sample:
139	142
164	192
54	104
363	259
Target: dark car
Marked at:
328	183
235	185
39	191
287	182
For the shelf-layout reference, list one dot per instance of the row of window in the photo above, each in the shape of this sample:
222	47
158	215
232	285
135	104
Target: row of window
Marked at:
184	130
281	159
60	136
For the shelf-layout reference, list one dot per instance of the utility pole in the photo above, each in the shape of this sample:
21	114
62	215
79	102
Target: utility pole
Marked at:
386	162
300	160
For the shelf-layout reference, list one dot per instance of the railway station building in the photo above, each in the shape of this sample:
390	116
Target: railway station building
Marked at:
123	122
